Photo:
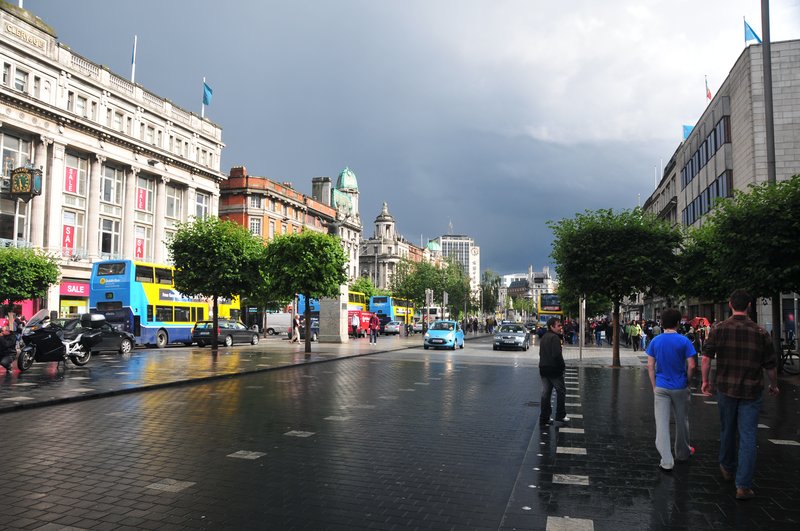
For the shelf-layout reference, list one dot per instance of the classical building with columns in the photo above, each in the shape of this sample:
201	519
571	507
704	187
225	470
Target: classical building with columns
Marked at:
121	166
387	248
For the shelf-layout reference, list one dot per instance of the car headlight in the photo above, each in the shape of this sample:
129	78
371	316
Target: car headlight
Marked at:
427	335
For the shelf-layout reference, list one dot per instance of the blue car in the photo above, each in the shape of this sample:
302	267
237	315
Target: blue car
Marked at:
445	334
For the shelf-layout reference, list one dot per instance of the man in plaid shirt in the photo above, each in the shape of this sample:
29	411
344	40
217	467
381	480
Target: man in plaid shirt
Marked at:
743	350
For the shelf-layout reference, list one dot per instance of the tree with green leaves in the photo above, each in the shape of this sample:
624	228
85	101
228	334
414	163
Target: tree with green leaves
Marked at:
638	254
311	263
25	274
365	286
215	258
749	242
490	291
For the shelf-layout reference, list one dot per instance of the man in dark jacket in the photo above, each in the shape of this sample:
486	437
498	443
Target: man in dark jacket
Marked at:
551	369
8	348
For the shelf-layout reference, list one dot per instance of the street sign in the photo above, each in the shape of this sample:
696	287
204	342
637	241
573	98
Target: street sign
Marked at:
444	298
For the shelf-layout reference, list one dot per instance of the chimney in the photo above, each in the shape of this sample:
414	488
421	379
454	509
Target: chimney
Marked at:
238	171
321	190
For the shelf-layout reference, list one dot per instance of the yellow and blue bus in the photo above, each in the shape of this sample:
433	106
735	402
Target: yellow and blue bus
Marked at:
356	300
392	308
141	298
549	306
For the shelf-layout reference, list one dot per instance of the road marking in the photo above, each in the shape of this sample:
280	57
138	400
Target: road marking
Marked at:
171	485
337	418
570	450
17	398
565	523
573	404
296	433
784	442
569	479
244	454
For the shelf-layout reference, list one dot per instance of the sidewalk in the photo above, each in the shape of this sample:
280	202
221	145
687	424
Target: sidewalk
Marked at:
110	374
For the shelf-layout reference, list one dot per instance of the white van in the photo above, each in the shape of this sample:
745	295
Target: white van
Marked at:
277	323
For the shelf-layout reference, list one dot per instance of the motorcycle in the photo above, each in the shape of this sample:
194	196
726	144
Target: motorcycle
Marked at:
44	341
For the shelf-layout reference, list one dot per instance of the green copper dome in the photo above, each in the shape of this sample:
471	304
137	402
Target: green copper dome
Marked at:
434	246
347	180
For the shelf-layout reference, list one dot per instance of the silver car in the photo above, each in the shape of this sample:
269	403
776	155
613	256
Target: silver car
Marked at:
513	336
393	327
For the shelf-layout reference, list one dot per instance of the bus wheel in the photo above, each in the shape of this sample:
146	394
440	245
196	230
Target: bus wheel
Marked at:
161	339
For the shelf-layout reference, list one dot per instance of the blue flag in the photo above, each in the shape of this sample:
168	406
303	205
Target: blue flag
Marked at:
749	34
207	93
687	130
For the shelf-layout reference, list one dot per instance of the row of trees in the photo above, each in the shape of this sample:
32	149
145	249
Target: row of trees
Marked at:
411	279
217	258
748	241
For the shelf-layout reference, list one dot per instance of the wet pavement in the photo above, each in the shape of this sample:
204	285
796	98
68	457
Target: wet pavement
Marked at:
386	437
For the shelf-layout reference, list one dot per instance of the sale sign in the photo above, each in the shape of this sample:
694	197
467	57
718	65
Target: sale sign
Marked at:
141	199
71	180
139	248
68	237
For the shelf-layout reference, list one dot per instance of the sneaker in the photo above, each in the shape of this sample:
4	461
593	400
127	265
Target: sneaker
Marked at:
744	494
727	476
565	419
544	423
664	469
691	453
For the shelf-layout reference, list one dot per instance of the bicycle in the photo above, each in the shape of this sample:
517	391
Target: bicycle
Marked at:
789	361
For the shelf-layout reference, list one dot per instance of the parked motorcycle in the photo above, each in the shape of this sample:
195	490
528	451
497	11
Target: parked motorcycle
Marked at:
44	341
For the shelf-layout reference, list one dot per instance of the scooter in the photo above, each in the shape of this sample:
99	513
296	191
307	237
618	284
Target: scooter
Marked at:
44	341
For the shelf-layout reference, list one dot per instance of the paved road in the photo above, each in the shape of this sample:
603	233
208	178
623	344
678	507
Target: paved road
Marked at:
371	440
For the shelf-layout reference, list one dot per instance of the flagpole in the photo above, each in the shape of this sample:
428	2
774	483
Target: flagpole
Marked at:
203	105
133	60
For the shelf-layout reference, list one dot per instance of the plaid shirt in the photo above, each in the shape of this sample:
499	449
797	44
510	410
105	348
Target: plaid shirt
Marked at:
743	349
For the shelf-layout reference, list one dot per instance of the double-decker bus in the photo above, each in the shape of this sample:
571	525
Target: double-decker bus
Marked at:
141	298
356	300
392	308
549	306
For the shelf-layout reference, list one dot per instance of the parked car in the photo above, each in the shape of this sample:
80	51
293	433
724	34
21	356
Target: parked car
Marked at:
446	334
416	328
513	336
111	339
314	329
393	327
230	332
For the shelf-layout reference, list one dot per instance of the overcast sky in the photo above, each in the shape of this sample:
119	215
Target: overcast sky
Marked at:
493	115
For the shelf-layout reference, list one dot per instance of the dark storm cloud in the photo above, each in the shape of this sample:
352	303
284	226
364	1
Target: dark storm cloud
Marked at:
496	116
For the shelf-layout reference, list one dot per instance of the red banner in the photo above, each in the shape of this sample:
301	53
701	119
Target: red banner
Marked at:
71	180
68	237
74	288
141	198
139	248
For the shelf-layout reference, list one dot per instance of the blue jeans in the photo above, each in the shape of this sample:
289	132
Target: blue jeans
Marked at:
737	415
373	335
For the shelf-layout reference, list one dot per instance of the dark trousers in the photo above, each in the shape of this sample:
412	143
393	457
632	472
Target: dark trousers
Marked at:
548	384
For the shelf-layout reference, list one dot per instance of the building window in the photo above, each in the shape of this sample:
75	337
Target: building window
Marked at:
6	73
109	236
150	135
21	80
16	153
255	201
71	232
271	229
142	241
111	186
174	202
202	203
145	190
76	175
255	226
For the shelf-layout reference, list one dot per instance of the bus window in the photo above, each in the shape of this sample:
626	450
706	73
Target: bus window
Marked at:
163	276
379	300
149	313
144	274
106	306
111	268
182	314
164	313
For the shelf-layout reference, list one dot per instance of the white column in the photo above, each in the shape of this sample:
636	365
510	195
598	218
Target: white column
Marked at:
160	213
93	207
38	206
128	213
